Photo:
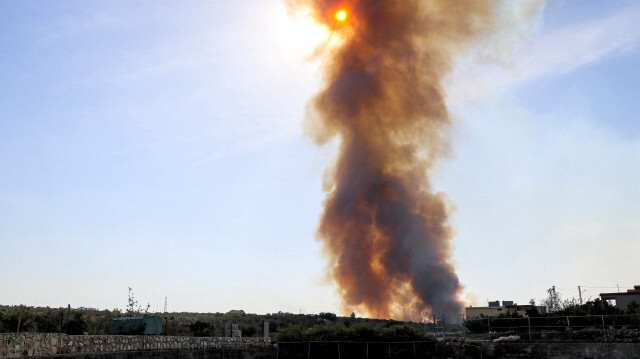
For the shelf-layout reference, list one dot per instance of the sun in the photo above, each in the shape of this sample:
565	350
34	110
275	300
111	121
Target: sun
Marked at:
341	15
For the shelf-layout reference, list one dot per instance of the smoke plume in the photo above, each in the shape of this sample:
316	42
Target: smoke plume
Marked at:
384	229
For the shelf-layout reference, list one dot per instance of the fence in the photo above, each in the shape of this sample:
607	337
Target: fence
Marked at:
442	326
582	328
362	350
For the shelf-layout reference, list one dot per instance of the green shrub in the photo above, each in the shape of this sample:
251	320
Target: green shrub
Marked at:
403	333
359	333
291	333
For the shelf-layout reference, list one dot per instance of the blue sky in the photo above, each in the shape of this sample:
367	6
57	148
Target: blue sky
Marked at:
160	146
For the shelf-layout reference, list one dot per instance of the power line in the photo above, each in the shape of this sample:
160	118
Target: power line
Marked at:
608	287
601	287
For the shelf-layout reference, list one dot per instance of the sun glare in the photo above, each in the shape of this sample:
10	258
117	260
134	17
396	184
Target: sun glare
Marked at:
341	15
300	35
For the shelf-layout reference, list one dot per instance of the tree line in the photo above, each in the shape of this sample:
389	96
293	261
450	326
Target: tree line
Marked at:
77	321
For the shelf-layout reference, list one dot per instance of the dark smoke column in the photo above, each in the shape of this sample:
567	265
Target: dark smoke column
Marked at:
383	228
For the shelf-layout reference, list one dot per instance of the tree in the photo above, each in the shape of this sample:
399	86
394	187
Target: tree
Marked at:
18	319
199	329
131	304
132	310
633	308
553	302
328	316
533	310
2	317
77	325
48	322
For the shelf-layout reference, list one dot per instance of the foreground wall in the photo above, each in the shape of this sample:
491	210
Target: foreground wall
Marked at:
559	350
44	344
250	353
459	349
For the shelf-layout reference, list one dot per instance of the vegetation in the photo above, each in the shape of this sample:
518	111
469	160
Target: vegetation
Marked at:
357	333
94	321
77	325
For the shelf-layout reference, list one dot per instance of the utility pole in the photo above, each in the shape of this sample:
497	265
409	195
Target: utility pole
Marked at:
67	324
166	317
19	320
580	294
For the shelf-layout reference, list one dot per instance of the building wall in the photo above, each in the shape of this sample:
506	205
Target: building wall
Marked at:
623	301
471	312
13	345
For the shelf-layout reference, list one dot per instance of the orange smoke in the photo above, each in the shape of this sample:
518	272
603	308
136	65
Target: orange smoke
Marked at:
384	230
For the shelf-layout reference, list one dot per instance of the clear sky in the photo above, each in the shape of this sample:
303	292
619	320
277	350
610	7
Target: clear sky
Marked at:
159	145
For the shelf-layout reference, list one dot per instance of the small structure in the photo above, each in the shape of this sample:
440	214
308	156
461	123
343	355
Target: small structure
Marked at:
141	325
494	309
232	330
235	331
623	299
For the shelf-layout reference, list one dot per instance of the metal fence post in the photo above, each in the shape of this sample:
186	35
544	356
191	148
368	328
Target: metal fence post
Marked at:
529	322
338	350
489	326
604	330
444	328
464	326
569	328
308	350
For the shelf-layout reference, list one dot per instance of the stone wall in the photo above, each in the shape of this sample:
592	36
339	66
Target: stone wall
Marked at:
44	344
553	350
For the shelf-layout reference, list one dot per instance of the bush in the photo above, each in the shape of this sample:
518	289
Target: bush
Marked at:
18	318
365	333
291	333
359	333
199	329
248	331
48	322
77	325
329	332
403	333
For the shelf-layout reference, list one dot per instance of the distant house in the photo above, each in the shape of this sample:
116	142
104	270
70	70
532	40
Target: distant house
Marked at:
495	309
236	311
623	299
